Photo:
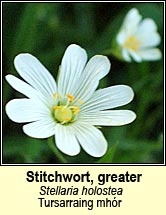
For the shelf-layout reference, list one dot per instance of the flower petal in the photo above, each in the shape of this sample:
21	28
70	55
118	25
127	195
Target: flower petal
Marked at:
91	139
135	56
43	128
150	54
148	27
108	98
121	37
66	140
109	118
25	110
23	87
131	21
125	55
73	63
97	67
32	71
149	41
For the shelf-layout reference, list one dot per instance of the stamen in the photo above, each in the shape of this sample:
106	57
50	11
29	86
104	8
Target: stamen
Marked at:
57	107
132	43
70	97
67	119
76	110
59	96
80	101
54	96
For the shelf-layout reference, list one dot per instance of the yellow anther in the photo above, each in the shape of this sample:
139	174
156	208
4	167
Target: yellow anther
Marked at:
70	97
76	110
54	96
80	101
59	96
132	43
67	119
57	107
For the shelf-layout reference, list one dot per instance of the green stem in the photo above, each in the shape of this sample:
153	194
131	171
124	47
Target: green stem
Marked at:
56	151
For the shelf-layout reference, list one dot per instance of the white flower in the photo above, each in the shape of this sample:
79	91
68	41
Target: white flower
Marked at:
138	38
71	109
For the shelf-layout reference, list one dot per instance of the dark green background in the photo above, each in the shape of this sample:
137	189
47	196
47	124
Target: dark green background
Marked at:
45	30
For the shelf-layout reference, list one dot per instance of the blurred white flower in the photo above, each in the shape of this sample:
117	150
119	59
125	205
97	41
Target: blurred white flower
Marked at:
138	38
71	109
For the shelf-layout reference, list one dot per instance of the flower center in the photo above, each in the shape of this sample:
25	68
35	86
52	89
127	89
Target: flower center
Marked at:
64	112
132	43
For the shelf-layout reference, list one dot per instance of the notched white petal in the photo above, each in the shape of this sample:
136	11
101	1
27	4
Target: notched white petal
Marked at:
109	118
135	56
131	21
97	67
147	26
107	98
43	128
91	139
151	54
121	37
72	65
32	71
132	14
25	110
22	87
66	140
126	55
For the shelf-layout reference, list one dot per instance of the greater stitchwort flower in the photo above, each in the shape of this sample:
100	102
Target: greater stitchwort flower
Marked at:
137	38
71	109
